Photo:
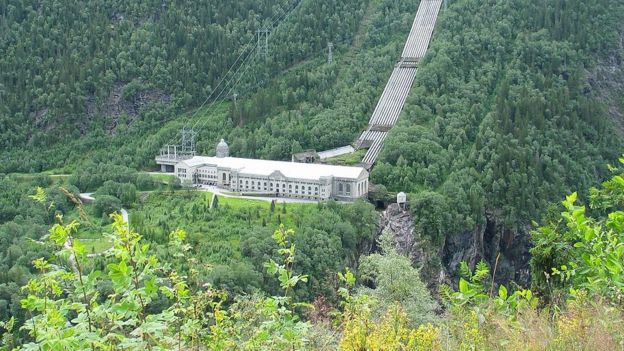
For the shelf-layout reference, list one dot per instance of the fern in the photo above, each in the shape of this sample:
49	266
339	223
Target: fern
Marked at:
465	271
482	272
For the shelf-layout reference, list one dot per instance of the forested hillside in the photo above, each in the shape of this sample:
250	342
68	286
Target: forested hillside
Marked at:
516	104
107	73
294	95
502	120
511	108
151	291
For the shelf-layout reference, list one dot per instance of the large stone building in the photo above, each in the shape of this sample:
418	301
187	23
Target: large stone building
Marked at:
274	178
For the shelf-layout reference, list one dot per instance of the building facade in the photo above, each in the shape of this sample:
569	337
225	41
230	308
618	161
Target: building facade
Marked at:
274	178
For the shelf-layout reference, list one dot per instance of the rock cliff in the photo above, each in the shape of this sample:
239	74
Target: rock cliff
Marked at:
490	242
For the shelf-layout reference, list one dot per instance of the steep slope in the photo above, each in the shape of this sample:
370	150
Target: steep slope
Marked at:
75	76
502	121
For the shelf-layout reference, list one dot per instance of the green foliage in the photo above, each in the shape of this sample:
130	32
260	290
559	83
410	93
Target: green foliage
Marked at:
92	176
104	205
8	340
472	287
382	318
233	242
473	293
25	215
396	282
63	299
106	93
68	311
126	193
499	98
584	249
431	212
284	272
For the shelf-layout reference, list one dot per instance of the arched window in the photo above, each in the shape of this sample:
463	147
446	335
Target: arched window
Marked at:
348	188
340	188
224	177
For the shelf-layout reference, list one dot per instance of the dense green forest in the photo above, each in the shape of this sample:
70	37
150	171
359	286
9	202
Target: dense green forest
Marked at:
501	116
494	98
230	239
151	292
502	119
516	104
110	93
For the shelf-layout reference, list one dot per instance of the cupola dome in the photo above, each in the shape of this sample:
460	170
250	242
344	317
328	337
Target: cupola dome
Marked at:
223	150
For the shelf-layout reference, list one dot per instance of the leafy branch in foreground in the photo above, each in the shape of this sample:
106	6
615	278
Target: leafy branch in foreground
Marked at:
582	252
473	292
149	306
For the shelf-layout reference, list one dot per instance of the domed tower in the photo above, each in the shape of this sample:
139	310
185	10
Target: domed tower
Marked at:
223	150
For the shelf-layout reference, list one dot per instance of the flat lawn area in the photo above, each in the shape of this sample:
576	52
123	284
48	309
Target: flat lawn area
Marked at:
96	246
348	159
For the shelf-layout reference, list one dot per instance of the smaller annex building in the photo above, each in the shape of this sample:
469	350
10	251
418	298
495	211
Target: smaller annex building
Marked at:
274	178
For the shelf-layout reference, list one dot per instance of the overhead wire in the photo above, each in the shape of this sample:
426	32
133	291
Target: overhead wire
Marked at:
273	21
216	100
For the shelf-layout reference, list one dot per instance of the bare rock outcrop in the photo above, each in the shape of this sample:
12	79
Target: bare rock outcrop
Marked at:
505	250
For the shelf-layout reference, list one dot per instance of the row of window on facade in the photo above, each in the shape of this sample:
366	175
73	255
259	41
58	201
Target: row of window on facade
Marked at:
270	186
257	184
346	188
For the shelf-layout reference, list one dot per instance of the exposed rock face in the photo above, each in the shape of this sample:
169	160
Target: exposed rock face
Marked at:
487	242
400	226
607	83
116	105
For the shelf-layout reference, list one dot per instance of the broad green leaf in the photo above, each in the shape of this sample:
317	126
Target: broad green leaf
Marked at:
502	292
463	286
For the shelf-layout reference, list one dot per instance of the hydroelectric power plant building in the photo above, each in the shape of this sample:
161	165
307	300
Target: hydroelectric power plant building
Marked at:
272	178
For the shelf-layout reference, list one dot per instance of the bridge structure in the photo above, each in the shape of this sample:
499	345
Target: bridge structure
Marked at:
392	100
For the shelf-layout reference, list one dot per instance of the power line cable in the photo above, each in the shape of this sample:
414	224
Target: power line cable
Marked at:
273	21
216	100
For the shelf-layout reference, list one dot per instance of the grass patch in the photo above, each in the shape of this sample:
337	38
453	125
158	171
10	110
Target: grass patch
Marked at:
351	159
96	246
56	179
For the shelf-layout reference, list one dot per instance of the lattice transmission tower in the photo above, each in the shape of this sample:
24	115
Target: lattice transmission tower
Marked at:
188	146
263	42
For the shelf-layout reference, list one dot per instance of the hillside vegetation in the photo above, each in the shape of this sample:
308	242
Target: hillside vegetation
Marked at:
502	119
85	82
512	109
135	296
